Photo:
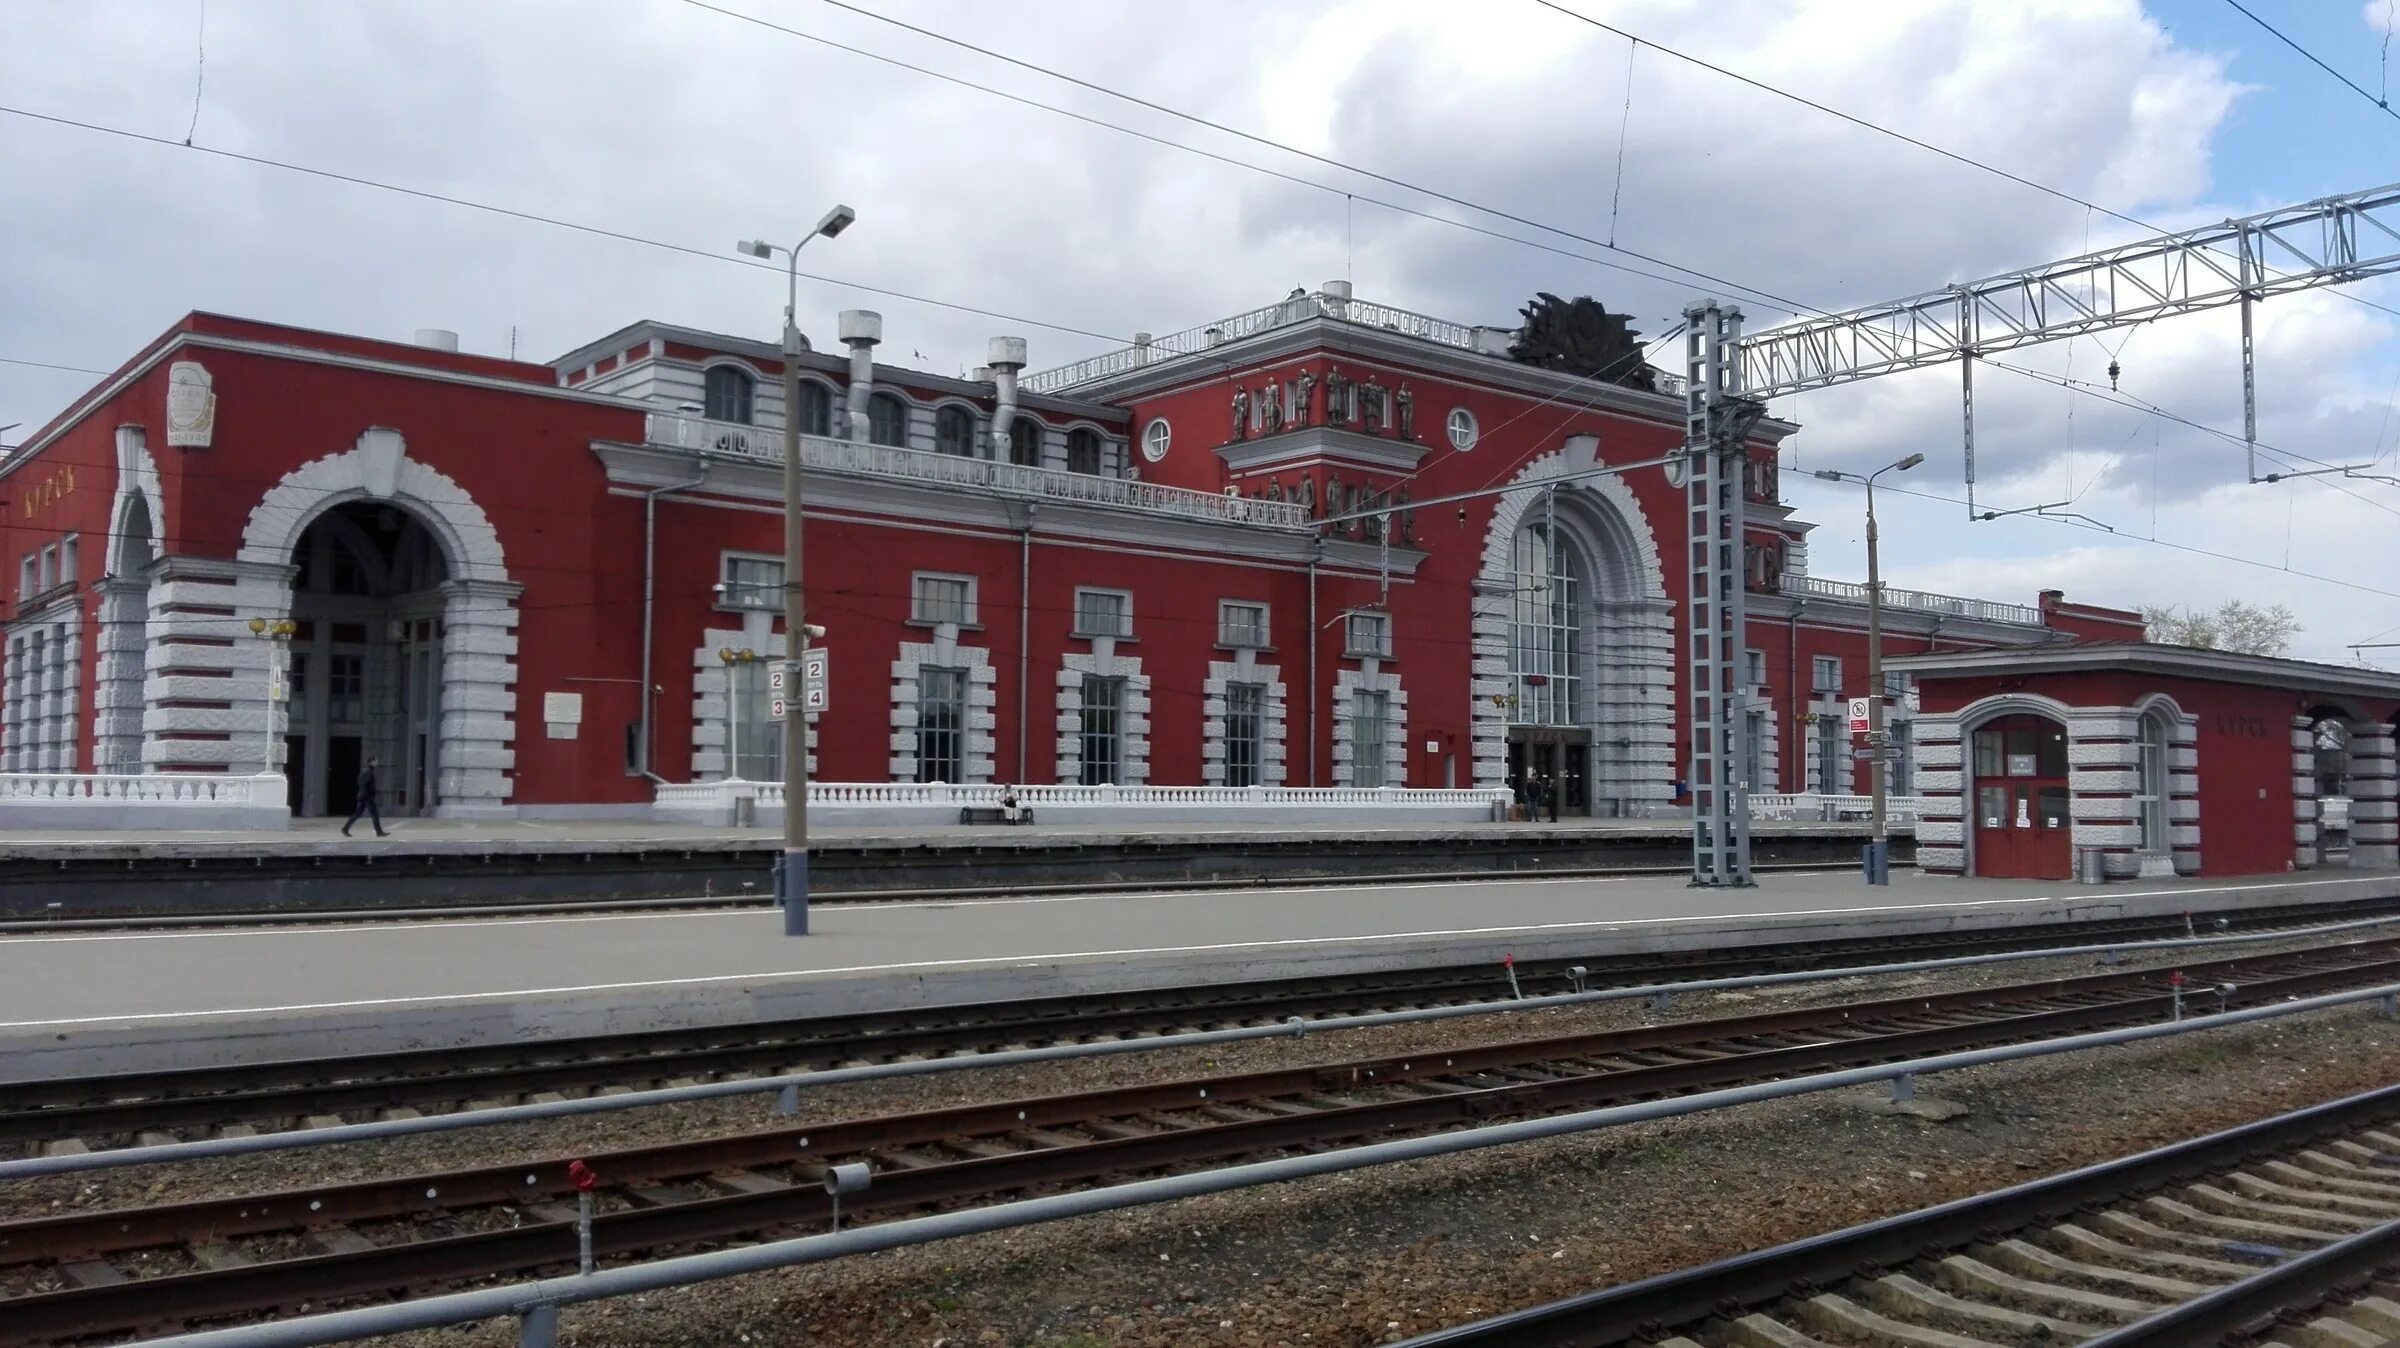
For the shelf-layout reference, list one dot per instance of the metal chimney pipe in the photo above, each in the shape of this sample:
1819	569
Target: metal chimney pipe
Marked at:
861	330
1005	356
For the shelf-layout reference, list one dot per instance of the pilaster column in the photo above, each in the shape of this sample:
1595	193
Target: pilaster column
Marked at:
2374	811
2304	794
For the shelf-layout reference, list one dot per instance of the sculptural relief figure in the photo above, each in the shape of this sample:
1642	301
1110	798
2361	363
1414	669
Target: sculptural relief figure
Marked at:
1370	528
1306	495
1306	404
1337	395
1408	519
1374	414
1241	413
1408	413
1270	408
1275	491
1336	496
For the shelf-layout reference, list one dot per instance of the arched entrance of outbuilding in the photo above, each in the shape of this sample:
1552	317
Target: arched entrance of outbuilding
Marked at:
2020	818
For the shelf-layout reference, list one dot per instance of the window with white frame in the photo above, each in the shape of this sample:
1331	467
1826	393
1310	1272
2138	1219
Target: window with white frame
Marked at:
1241	623
1370	732
1366	633
1103	613
935	599
1831	740
816	408
1545	630
728	392
1895	683
1025	441
1754	742
29	573
1754	668
887	420
1103	730
1825	673
1900	751
757	736
748	581
49	567
1084	451
1463	430
1156	438
941	724
66	559
954	432
2151	798
1245	733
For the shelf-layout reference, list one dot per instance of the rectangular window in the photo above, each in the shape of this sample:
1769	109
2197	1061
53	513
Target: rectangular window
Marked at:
757	738
49	566
1370	727
1826	673
1900	768
1895	683
751	582
29	570
1103	738
1831	779
1245	733
1754	668
1987	754
1367	634
1241	624
346	689
66	560
1754	744
941	725
1103	613
941	599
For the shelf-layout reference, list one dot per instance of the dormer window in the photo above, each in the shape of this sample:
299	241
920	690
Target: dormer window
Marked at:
887	420
729	393
954	432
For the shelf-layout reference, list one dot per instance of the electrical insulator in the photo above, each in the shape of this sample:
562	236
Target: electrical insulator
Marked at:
2114	370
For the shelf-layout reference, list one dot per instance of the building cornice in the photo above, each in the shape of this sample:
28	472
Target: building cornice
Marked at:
1309	446
2187	662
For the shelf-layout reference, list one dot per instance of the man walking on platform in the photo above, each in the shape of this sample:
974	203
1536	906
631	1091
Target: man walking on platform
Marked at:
369	805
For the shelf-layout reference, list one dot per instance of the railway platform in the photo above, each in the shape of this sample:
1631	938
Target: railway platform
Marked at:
455	863
99	1001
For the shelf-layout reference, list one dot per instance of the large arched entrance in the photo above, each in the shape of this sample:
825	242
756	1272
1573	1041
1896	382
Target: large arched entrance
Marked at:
2021	825
1574	643
366	659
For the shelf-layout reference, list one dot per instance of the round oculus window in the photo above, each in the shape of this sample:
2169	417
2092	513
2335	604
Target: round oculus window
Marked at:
1156	437
1463	429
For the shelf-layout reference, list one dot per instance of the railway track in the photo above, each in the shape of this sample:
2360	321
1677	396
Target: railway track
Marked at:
101	1112
87	1275
2284	1232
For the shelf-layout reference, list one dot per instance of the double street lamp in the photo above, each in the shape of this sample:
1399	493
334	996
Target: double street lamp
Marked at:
791	874
1879	848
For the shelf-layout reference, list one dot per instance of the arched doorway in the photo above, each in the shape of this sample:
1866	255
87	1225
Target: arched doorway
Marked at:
365	682
1549	744
122	652
2022	826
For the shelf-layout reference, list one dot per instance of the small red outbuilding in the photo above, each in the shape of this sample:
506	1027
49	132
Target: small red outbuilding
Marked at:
2161	760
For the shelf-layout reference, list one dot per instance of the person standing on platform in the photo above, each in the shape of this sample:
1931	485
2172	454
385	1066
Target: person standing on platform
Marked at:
370	805
1550	794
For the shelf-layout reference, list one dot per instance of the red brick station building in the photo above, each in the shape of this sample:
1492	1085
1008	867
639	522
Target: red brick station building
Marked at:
549	590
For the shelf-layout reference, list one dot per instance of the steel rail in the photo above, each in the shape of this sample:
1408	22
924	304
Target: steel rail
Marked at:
537	1302
2265	1295
767	1205
85	1121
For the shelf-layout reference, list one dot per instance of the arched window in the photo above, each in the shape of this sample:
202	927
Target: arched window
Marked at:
816	409
2151	795
1083	451
1025	441
887	420
729	394
1544	627
954	431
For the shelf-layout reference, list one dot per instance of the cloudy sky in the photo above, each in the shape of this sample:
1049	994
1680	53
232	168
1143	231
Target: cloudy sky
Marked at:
687	127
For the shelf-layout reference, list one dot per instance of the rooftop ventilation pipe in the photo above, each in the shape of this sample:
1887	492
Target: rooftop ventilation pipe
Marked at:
437	339
1005	356
1141	348
862	329
1337	298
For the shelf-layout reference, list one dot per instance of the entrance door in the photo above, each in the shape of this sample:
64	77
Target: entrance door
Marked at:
2021	820
1558	760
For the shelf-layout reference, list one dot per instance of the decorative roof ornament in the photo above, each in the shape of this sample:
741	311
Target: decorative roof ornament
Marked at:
1581	337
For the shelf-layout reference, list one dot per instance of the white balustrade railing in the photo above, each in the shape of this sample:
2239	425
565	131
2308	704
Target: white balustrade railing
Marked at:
822	454
155	788
1266	318
1855	592
720	794
1808	805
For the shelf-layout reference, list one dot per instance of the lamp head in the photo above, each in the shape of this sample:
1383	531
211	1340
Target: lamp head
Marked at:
258	626
1910	462
1829	474
755	248
836	220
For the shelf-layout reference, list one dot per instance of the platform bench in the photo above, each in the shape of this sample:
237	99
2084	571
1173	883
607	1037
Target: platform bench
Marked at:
992	814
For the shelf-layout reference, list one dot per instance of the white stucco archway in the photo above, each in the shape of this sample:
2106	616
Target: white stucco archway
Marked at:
1627	625
479	612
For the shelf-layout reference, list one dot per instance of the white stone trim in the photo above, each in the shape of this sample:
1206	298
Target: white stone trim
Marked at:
712	689
1274	750
43	699
983	702
1627	698
1133	732
1395	761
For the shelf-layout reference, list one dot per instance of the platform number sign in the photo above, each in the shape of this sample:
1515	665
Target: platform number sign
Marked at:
812	685
1859	716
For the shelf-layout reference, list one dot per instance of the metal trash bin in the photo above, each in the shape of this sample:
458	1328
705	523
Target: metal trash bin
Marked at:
745	810
2089	869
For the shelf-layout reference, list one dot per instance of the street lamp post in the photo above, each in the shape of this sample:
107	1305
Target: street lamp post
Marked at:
277	633
791	874
1879	846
